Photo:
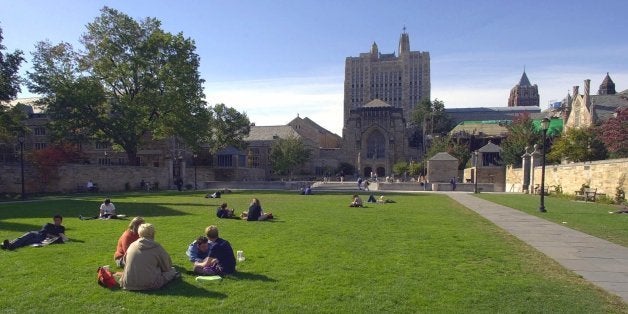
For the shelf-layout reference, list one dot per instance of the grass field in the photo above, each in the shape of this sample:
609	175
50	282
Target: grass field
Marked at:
424	253
590	218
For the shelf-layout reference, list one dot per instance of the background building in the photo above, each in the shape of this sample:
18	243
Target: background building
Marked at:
524	94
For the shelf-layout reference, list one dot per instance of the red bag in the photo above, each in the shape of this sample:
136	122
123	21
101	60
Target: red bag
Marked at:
105	278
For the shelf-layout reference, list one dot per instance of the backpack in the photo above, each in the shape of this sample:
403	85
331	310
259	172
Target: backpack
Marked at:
105	278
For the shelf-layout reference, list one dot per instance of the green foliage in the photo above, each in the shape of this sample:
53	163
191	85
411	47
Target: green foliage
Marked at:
614	134
346	168
288	153
400	167
577	145
9	72
521	134
438	258
132	79
430	116
450	145
415	168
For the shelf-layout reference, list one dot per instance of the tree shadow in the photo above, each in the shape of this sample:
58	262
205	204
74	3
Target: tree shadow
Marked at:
18	227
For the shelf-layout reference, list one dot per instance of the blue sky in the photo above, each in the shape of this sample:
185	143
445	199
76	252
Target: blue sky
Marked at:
276	59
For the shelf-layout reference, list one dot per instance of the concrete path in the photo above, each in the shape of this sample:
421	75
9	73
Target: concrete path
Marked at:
603	263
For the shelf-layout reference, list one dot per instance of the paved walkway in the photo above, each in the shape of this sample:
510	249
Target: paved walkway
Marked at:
603	263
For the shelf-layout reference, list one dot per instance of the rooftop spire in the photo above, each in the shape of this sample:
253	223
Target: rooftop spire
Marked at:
524	81
404	42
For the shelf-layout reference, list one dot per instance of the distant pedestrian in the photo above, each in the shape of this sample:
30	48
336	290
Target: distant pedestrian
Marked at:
453	183
359	183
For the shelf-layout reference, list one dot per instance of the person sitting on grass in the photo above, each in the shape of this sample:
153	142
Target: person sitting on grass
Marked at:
147	264
255	212
129	236
224	212
211	255
216	194
384	200
107	211
371	199
49	233
356	202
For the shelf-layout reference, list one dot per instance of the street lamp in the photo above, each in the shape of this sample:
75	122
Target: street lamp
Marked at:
544	126
195	155
475	165
20	139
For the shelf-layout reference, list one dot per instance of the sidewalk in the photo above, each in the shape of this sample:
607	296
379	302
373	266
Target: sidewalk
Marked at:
603	263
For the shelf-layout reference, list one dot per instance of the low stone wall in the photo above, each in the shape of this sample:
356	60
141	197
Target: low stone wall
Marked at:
256	185
605	175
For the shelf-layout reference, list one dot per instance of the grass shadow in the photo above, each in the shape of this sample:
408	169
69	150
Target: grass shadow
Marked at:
183	288
239	275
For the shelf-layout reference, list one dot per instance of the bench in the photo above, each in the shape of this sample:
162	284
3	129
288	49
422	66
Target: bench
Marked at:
587	194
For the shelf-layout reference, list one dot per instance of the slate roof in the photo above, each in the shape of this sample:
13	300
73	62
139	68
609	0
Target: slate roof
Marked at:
268	133
524	80
490	148
443	156
606	105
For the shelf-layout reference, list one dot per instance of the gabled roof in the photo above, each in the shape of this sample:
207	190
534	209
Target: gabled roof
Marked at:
376	103
490	148
443	156
269	133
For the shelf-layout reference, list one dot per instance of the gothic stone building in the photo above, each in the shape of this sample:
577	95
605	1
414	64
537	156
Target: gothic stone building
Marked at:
381	91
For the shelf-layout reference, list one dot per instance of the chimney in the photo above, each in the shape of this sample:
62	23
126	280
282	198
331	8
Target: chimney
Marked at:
575	91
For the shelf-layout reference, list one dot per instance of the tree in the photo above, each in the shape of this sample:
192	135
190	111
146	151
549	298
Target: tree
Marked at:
228	128
521	134
9	76
577	145
399	168
132	79
614	134
288	153
10	118
449	145
430	116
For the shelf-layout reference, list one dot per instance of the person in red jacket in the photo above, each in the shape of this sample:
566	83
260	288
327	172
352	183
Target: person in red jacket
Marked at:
129	236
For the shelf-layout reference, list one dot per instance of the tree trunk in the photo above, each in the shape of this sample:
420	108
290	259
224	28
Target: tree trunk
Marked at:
132	156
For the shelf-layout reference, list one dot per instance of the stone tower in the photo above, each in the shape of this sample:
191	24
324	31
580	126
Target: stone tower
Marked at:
524	93
607	87
381	91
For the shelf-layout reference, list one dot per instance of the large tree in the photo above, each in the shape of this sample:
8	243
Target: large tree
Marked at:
451	146
430	116
9	88
131	79
288	153
614	134
577	145
521	134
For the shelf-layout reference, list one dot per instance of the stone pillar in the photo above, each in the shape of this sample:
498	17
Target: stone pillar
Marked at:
525	167
535	160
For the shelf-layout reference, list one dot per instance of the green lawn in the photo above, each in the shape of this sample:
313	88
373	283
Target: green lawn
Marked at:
424	253
590	218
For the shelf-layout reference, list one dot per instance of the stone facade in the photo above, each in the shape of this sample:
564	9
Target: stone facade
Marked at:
605	175
589	110
441	168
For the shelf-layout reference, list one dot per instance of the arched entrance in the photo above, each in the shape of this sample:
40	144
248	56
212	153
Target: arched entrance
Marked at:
367	172
381	172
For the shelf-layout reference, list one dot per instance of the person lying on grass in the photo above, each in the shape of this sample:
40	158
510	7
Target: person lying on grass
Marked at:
49	233
255	212
107	211
129	236
224	212
147	264
356	202
211	255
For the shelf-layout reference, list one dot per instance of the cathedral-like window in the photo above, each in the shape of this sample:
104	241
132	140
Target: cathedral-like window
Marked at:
376	145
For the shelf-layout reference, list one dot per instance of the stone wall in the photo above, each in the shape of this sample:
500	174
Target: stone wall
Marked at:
605	175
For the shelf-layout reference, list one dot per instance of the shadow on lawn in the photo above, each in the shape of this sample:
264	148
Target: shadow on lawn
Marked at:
74	208
18	227
180	287
239	275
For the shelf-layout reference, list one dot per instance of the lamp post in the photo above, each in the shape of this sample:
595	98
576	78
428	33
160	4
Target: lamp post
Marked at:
195	155
475	165
20	139
544	126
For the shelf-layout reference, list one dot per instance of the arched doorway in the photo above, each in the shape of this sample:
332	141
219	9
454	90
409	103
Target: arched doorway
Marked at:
367	172
381	172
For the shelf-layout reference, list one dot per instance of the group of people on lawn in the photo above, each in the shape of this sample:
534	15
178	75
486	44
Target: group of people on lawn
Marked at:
146	263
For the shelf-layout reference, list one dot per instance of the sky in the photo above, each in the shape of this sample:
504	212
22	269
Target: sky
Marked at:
278	59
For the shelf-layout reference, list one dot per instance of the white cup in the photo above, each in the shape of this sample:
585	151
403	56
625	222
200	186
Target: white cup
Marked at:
240	256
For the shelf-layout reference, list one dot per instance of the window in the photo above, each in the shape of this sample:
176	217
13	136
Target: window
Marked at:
102	145
376	146
225	161
40	131
104	161
39	146
254	154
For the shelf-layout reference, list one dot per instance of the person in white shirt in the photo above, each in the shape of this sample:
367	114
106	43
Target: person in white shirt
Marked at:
107	211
